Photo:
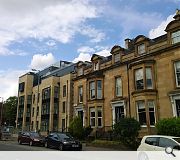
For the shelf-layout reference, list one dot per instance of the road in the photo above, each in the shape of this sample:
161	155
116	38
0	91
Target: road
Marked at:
14	146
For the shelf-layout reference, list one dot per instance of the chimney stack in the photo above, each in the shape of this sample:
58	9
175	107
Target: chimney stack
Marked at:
128	43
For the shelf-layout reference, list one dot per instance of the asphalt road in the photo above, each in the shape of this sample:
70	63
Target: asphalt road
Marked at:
14	146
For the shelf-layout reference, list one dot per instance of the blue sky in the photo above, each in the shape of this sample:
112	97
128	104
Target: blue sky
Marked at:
37	33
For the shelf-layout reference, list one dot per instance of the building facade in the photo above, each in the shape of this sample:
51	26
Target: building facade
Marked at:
141	80
45	99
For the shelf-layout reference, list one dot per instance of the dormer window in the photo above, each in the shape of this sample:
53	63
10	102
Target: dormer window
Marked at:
96	66
80	71
141	48
175	36
116	57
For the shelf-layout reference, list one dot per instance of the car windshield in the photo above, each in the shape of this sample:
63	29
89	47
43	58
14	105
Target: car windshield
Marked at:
177	139
64	136
34	134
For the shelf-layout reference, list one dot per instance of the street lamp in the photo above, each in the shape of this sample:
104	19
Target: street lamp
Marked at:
37	97
1	111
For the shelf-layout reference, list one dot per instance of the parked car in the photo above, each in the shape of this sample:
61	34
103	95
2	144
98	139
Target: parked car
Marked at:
161	143
31	138
5	133
62	141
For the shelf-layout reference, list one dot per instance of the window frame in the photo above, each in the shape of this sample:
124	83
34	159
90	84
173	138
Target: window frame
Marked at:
99	108
117	57
118	86
92	110
92	96
176	37
80	94
142	125
141	51
175	72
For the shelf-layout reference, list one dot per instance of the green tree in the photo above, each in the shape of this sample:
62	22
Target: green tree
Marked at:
10	110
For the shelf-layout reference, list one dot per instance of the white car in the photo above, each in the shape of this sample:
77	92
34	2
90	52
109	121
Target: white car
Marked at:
168	147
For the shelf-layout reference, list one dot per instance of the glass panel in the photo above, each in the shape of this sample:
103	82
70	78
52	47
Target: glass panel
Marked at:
92	90
118	86
176	37
116	57
177	70
141	49
139	79
80	94
141	112
149	84
99	89
165	142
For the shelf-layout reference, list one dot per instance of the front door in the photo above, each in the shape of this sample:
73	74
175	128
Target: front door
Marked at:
178	107
119	113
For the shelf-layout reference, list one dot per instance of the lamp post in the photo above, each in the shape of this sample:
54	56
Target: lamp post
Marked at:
1	111
37	98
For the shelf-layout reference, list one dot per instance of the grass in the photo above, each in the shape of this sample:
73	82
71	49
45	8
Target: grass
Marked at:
109	144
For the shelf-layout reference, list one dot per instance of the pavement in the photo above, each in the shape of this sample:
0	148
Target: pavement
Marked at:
10	145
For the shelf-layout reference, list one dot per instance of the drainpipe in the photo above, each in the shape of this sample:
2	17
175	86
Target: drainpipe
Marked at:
129	96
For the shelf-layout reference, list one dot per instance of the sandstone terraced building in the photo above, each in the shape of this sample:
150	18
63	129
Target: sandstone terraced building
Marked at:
141	80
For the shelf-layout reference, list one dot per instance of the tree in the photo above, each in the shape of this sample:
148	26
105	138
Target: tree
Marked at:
10	110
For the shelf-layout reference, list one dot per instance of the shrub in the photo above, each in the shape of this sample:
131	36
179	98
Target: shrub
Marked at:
126	130
76	128
169	126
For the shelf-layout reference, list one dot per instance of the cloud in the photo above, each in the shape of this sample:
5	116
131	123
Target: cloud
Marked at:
85	49
40	61
49	19
159	30
9	82
51	43
96	35
85	52
82	57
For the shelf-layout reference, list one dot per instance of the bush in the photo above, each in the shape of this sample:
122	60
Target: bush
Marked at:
169	126
127	130
77	130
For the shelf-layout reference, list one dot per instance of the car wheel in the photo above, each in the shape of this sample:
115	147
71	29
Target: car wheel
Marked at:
61	147
46	145
31	143
19	141
142	156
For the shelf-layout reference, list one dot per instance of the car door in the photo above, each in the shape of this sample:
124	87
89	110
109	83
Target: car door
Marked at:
23	137
55	140
150	144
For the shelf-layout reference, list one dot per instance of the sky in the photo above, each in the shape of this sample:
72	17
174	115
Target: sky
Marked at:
37	33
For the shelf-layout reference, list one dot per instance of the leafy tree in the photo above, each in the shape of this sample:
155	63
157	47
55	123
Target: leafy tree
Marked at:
10	110
127	130
169	126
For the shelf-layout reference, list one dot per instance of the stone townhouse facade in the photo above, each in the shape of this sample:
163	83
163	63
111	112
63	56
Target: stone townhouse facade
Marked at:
141	80
45	99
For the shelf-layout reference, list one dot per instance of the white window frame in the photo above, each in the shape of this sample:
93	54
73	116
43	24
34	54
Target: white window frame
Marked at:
99	109
151	111
92	110
137	108
175	68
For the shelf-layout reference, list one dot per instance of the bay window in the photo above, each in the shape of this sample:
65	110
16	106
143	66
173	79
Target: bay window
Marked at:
92	90
95	89
99	89
92	117
139	79
99	117
141	112
151	108
149	84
